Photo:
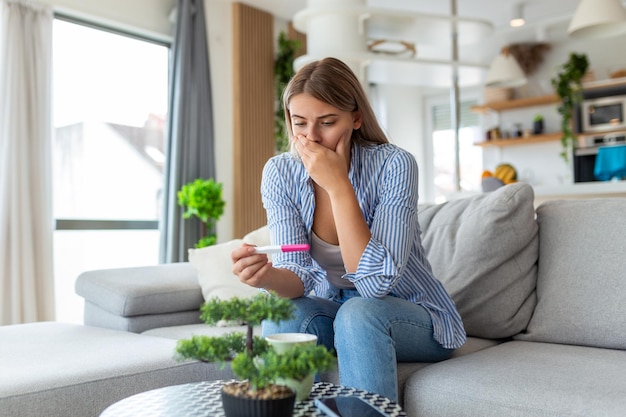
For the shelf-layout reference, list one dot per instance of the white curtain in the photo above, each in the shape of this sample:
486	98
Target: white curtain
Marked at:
26	223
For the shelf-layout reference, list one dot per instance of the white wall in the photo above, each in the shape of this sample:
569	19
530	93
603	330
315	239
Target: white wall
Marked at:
219	27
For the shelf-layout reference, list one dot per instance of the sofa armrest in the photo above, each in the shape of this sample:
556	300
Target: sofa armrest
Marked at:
140	298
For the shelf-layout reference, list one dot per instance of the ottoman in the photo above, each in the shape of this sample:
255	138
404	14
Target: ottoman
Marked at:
65	370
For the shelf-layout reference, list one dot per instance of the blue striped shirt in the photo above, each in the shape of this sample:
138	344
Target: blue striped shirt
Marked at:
385	180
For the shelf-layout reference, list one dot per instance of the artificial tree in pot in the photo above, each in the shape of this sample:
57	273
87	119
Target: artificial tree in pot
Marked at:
202	198
253	360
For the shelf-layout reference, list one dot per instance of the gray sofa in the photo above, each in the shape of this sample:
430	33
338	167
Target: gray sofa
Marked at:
541	292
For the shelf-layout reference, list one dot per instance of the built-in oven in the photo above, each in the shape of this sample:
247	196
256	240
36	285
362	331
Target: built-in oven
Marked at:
586	151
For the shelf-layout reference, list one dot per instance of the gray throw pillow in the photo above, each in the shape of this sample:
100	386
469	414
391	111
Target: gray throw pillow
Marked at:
484	250
581	283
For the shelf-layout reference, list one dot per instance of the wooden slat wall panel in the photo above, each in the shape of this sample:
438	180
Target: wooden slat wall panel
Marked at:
253	47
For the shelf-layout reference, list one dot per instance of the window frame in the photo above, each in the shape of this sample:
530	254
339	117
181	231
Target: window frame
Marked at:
468	94
104	224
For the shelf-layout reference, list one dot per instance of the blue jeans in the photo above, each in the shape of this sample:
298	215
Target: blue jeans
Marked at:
369	335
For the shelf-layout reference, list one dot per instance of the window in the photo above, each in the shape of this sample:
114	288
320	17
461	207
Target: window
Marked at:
109	111
445	151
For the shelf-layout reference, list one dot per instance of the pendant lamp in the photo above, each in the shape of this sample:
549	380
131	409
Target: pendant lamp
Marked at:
505	72
598	19
517	17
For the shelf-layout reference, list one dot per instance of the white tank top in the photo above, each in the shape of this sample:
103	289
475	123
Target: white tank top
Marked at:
329	257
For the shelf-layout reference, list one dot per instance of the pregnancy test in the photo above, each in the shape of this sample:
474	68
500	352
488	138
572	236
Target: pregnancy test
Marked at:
282	248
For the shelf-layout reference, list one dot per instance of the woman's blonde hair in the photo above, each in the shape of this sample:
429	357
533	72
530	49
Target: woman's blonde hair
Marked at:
332	81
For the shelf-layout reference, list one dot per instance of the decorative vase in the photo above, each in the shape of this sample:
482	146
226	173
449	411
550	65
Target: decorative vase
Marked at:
236	406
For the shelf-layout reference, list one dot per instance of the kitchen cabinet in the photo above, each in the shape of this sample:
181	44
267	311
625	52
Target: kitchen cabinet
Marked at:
516	104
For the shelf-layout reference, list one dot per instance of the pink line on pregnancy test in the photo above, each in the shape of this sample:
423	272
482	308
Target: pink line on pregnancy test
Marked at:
282	248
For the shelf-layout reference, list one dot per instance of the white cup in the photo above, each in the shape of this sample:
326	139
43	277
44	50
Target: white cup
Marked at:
284	341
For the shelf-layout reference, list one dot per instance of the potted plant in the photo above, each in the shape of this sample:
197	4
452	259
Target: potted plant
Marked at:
202	198
568	86
283	71
253	361
538	125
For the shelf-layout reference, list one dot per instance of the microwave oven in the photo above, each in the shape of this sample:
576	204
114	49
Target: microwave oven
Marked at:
603	114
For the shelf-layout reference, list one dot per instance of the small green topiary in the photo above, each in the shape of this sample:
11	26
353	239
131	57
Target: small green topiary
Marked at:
252	358
203	199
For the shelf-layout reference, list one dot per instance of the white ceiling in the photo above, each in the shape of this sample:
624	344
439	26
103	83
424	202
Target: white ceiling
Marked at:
546	21
549	15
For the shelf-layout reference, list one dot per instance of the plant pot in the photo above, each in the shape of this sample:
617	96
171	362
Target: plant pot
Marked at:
237	406
538	127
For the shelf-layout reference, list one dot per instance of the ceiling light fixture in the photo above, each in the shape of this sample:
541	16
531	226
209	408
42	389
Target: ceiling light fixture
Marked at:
597	19
517	18
505	72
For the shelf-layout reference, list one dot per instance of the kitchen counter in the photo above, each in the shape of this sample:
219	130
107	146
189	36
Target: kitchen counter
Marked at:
596	189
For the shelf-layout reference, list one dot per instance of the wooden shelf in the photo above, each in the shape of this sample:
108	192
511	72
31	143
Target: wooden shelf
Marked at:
547	137
611	82
516	104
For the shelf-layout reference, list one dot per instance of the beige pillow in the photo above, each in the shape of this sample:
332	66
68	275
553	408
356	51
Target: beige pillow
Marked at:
214	267
258	237
215	274
484	249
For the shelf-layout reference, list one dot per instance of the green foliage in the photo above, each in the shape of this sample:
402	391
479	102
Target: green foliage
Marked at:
251	357
217	348
568	86
249	310
202	198
297	363
283	71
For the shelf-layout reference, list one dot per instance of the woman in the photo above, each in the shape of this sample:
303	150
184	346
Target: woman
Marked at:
365	288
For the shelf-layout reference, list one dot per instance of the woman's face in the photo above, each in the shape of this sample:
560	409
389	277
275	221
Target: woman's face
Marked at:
320	122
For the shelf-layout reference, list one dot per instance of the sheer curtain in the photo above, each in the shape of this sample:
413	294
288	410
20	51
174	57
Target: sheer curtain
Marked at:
190	129
26	224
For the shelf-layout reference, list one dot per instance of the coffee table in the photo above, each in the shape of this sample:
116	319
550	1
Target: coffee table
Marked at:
203	399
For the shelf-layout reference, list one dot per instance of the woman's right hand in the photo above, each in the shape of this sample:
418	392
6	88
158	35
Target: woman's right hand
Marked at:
252	268
255	270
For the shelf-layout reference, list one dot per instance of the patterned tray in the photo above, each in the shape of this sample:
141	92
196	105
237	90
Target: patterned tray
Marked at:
203	399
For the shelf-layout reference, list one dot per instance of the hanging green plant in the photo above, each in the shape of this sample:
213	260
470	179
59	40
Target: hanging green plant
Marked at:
283	71
202	198
568	86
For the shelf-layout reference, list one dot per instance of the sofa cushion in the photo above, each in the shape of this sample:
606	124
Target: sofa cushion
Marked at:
188	330
214	267
522	379
581	285
99	317
62	370
143	290
484	250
